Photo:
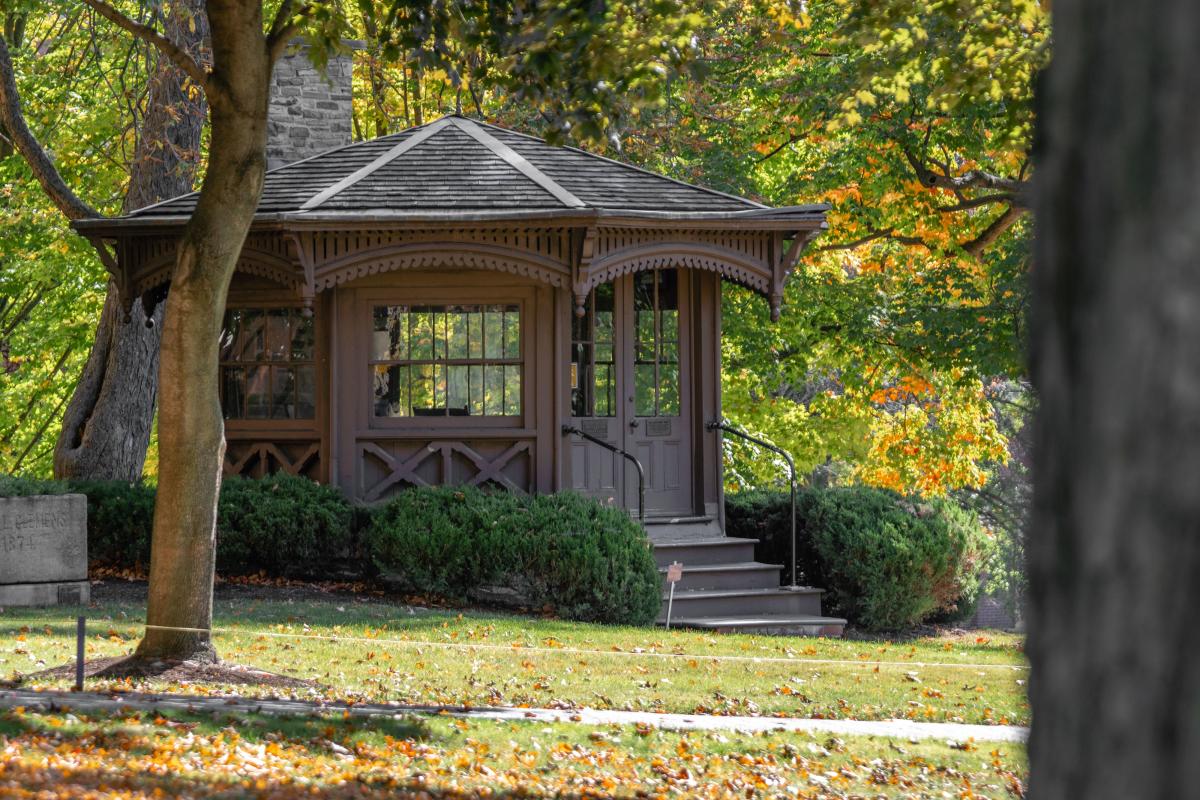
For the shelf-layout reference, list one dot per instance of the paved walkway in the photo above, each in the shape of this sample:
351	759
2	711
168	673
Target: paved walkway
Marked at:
904	729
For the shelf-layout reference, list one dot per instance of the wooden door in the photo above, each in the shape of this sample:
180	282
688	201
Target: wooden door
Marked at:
657	411
629	386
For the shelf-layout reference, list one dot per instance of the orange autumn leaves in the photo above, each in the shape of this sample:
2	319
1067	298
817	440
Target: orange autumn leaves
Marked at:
931	439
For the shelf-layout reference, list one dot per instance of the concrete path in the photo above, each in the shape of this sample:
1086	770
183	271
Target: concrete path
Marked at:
902	729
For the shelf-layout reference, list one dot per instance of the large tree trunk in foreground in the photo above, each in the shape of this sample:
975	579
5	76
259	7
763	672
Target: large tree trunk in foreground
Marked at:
107	425
1114	548
190	428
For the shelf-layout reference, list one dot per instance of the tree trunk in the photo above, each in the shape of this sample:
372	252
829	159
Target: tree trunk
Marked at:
107	425
190	428
1114	544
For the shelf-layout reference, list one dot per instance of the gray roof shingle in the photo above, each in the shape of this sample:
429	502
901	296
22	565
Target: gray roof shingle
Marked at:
458	164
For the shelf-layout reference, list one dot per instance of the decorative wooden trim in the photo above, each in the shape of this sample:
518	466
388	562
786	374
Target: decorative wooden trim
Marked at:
266	452
419	255
402	469
728	263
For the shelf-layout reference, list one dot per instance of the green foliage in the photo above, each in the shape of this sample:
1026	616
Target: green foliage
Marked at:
888	562
79	86
282	525
21	486
766	516
584	560
120	522
891	563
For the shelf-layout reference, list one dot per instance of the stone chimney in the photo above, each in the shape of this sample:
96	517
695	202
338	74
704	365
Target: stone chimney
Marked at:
309	112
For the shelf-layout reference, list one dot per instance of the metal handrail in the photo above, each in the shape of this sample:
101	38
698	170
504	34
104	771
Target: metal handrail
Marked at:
566	429
718	424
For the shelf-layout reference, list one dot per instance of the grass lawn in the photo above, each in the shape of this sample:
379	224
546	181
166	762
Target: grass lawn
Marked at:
64	755
394	652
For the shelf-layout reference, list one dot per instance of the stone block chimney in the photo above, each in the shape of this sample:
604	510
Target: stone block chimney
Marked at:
309	112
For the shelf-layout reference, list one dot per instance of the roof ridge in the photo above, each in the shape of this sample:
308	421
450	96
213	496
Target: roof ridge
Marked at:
515	160
636	168
417	135
273	170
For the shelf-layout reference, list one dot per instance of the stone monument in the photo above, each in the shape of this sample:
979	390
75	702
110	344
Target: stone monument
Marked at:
43	550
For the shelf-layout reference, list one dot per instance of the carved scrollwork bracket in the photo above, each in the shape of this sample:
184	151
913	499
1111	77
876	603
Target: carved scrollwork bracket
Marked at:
583	250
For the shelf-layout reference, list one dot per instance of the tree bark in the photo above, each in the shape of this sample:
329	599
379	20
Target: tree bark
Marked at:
107	425
1114	544
190	427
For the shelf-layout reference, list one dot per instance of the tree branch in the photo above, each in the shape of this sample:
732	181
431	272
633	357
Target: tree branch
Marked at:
286	24
795	137
177	54
993	231
30	149
973	179
976	202
886	233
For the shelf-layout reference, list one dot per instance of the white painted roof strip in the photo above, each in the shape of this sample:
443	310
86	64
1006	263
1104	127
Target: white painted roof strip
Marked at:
354	177
516	160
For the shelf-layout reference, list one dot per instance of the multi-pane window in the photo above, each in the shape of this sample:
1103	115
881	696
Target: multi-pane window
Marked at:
266	357
593	369
460	360
656	331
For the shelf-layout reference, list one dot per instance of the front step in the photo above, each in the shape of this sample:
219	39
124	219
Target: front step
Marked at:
670	529
704	552
768	624
737	575
724	589
745	602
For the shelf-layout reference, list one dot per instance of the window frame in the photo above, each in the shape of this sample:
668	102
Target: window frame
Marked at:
262	302
424	298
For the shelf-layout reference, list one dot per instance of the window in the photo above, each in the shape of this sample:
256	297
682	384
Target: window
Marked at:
266	358
656	328
438	361
593	371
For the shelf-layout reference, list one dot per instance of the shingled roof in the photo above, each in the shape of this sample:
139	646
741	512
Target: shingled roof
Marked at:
459	164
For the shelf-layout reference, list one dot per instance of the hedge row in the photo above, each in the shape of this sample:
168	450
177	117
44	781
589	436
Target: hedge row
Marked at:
562	552
887	562
282	525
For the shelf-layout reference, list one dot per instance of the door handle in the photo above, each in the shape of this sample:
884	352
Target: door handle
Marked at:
633	423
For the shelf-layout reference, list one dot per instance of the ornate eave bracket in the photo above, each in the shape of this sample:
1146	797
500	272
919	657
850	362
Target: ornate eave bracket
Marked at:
304	255
583	251
783	266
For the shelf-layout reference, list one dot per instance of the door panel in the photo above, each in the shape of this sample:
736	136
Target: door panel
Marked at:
658	408
629	379
595	406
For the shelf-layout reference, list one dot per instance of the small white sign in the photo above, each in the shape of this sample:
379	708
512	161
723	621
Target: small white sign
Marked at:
675	572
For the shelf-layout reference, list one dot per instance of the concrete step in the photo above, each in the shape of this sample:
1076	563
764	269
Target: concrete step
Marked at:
667	529
769	624
696	552
737	575
693	603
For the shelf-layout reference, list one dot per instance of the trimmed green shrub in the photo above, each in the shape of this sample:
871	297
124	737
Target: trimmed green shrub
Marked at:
283	525
766	516
889	562
584	560
120	520
16	486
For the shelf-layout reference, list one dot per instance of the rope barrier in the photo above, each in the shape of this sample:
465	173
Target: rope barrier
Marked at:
719	658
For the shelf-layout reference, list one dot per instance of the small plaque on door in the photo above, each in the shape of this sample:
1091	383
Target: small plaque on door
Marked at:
658	427
595	427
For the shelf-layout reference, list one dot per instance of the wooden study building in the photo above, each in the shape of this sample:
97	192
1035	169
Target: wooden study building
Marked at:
437	305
